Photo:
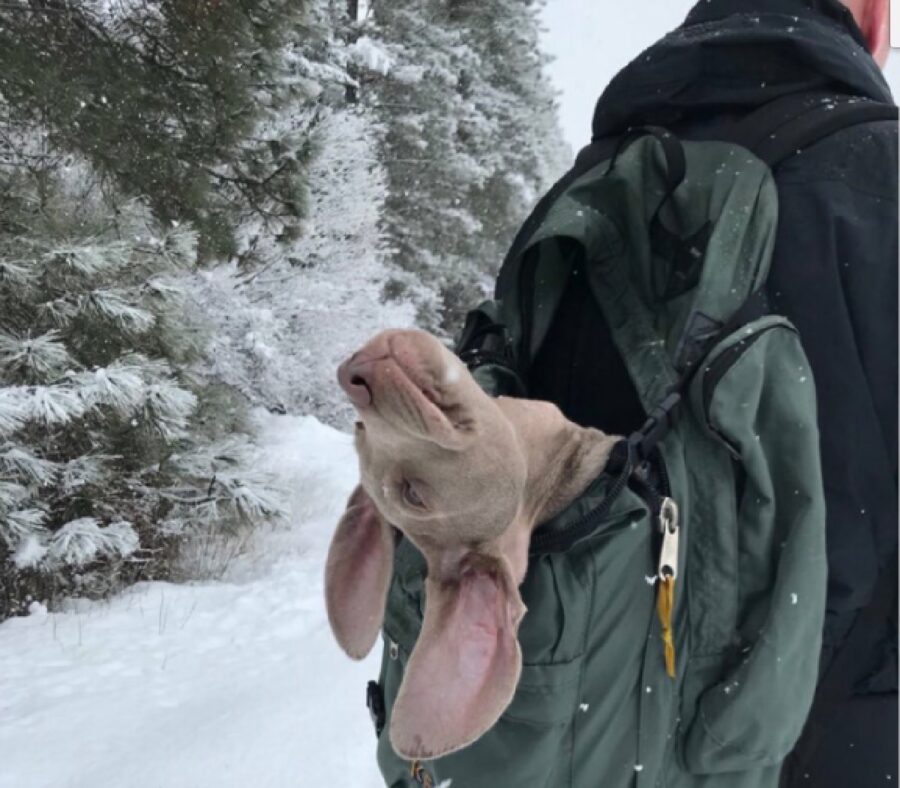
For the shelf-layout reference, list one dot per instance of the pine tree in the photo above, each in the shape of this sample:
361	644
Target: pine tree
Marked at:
431	141
329	164
282	327
470	140
174	100
512	83
104	455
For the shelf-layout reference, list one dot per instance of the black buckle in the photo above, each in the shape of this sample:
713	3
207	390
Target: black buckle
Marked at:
639	445
659	422
375	705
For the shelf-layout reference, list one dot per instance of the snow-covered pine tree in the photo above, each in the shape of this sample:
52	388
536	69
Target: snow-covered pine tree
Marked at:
221	115
525	151
173	100
434	131
282	328
109	451
470	139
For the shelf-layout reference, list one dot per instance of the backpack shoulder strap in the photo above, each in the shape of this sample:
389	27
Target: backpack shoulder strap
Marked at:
785	126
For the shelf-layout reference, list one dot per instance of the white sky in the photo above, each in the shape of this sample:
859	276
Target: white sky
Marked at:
598	37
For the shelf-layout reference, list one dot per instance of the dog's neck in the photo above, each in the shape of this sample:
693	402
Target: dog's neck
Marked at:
562	458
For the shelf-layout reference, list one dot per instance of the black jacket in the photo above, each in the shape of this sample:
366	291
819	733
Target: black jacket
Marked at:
834	273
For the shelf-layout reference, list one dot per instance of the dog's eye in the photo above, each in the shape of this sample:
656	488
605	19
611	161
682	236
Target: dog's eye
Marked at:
411	496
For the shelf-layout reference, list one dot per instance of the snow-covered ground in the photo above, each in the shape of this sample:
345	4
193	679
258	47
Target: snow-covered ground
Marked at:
221	684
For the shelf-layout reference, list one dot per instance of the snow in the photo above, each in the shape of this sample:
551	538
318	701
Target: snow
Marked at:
37	609
409	74
232	683
83	540
370	54
29	553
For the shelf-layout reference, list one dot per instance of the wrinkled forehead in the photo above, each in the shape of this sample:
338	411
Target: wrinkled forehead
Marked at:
420	351
447	364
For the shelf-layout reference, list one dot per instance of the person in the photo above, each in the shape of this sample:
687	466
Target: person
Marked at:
834	275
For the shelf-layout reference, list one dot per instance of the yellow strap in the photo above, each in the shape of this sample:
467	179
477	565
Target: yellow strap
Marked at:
665	601
418	773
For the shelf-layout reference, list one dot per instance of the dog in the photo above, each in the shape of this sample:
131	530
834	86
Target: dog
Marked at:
465	477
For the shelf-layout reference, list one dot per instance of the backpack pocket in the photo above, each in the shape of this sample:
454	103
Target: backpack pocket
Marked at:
529	745
745	702
533	742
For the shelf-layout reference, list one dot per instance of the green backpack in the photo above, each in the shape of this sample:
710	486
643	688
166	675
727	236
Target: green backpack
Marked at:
675	608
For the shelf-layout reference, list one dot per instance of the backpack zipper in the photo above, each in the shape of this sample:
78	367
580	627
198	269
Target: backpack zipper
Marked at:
670	528
652	494
560	541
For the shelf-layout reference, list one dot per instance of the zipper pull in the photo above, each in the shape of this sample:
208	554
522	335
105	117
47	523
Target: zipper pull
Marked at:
668	526
668	571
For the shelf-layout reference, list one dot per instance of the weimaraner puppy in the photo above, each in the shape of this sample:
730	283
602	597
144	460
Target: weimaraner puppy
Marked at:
466	478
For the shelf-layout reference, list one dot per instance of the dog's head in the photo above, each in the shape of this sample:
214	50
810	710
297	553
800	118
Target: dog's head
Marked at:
442	462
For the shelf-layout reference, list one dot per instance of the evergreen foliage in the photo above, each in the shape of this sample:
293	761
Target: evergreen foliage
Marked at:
170	98
470	140
103	456
333	167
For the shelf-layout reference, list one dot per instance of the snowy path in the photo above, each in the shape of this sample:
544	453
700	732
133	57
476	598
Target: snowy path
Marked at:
219	685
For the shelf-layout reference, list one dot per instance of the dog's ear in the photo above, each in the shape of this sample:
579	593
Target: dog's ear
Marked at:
357	575
463	671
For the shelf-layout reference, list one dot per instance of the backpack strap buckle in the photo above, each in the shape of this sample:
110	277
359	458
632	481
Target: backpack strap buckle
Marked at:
660	420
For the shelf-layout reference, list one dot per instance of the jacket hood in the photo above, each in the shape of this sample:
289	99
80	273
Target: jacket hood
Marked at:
734	55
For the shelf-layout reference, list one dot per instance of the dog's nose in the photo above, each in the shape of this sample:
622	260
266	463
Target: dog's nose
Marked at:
354	377
356	374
